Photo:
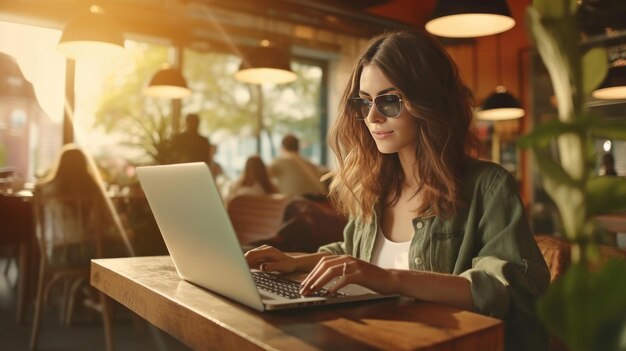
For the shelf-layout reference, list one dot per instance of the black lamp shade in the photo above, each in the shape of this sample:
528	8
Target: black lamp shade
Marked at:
12	82
614	84
168	83
500	105
266	64
91	35
470	18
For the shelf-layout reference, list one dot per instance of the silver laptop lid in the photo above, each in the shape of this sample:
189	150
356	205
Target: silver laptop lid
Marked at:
197	230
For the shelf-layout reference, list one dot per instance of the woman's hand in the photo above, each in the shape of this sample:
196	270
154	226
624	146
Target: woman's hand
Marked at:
343	270
270	259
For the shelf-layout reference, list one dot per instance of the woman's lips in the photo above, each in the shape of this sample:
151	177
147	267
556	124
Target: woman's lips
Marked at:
381	134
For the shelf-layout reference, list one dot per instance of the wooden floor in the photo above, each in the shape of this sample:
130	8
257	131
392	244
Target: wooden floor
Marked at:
85	334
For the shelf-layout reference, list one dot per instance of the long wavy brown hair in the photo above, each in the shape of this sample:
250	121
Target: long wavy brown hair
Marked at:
256	172
430	84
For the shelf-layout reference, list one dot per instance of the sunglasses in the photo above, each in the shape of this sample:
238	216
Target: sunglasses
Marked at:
388	105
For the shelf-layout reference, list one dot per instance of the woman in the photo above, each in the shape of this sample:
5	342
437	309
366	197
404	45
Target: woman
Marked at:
253	181
71	175
75	176
426	220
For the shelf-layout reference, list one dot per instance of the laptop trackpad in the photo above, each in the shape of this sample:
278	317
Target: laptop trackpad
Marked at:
354	289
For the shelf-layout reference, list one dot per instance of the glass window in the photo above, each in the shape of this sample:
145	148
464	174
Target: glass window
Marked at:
244	119
30	126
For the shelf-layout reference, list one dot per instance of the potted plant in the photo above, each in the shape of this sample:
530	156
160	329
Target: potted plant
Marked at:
586	307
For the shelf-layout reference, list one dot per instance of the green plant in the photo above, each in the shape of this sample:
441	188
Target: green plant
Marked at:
586	309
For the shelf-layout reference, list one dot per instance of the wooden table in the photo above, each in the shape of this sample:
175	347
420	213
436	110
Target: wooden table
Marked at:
150	287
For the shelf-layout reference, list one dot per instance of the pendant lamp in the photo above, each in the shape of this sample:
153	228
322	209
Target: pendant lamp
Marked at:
91	35
266	63
470	18
167	83
614	84
500	105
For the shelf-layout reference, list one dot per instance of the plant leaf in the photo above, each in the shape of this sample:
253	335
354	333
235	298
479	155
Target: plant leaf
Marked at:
554	56
594	67
613	129
582	305
543	133
551	169
550	8
605	194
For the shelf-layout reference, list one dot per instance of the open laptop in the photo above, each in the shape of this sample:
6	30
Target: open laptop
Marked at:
204	247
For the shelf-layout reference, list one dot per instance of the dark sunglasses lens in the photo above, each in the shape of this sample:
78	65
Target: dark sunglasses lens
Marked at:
388	105
361	107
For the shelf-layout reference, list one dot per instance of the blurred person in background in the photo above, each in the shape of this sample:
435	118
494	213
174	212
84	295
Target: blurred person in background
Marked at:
294	175
75	175
189	145
253	181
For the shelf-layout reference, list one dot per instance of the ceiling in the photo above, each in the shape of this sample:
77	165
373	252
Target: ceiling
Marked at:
184	20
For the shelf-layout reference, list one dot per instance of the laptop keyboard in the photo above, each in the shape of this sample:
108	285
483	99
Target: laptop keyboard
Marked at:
284	287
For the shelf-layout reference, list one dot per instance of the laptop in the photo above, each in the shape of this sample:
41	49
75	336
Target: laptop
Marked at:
204	247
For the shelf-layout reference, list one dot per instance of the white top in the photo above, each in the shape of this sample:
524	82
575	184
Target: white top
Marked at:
390	254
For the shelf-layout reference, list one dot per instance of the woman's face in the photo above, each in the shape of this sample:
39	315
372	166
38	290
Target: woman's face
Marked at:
390	134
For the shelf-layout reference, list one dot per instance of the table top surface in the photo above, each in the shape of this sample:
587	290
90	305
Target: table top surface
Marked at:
151	287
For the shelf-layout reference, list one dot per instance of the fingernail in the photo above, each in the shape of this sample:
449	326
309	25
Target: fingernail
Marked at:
262	267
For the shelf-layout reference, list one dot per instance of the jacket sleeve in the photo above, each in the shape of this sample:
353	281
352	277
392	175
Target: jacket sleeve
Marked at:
508	273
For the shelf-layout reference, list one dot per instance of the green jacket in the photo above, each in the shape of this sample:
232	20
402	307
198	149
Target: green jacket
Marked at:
489	242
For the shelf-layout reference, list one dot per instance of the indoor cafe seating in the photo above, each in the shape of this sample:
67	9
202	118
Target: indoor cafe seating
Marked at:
69	233
303	224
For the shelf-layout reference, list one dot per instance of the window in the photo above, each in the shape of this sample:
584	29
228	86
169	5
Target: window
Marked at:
245	119
31	130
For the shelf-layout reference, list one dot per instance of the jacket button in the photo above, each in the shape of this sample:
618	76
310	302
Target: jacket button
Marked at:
419	225
418	260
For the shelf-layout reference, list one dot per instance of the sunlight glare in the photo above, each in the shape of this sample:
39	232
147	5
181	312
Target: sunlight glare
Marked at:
35	51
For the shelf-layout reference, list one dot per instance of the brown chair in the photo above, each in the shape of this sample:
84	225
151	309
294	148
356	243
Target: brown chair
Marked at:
557	253
256	217
69	232
307	225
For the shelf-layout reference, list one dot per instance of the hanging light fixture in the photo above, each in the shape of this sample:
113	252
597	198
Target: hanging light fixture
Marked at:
167	83
266	63
470	18
614	84
500	105
93	35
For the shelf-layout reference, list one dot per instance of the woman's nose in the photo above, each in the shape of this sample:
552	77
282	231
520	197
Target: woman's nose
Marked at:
374	116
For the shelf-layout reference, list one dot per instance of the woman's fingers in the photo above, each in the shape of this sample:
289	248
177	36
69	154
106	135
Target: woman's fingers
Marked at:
314	272
329	269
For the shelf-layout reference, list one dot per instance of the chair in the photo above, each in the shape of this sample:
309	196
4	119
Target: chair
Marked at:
69	232
557	253
256	217
308	223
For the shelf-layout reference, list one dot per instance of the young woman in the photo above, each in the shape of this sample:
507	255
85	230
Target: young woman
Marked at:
254	180
74	175
426	219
